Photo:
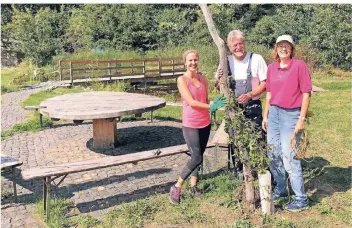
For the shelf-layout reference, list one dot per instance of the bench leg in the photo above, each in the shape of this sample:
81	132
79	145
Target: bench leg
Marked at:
41	120
46	197
14	183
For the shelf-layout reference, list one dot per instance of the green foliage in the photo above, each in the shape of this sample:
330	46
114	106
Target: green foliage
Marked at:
36	35
221	188
324	30
115	87
82	221
133	214
13	79
242	223
278	223
251	148
59	209
43	31
330	34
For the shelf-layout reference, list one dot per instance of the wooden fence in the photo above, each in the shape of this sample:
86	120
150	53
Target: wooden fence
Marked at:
146	69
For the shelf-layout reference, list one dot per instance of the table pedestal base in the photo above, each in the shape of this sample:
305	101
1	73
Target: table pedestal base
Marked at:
104	133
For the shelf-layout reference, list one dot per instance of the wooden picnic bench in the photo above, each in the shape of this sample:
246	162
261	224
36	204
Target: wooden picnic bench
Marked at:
53	172
10	162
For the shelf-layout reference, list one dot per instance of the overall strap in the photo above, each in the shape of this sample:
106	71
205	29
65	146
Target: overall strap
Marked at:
230	65
249	74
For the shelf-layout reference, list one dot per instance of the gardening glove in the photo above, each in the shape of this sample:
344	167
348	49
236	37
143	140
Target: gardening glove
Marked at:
219	101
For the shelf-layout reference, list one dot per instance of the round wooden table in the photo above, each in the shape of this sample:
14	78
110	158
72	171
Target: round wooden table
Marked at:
101	107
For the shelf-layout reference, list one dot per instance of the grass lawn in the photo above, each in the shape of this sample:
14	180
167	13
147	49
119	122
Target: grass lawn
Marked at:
327	175
15	78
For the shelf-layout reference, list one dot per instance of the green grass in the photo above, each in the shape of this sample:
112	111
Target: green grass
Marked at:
330	126
326	173
36	98
33	124
82	221
15	78
59	209
335	86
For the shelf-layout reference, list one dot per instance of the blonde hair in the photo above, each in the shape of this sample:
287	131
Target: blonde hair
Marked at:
188	52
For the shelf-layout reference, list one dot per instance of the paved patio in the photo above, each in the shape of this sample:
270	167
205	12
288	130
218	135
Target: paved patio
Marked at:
93	192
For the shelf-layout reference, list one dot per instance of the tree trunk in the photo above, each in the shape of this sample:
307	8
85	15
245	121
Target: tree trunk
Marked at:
249	186
224	88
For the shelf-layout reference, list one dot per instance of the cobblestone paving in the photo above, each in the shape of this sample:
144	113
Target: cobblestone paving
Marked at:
97	191
11	111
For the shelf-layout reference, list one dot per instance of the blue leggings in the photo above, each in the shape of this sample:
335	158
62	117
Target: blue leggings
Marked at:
196	139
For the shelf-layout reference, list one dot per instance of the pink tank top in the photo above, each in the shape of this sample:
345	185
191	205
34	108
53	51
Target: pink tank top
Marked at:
196	117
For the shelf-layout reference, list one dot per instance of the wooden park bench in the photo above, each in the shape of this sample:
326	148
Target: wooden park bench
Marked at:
53	172
10	162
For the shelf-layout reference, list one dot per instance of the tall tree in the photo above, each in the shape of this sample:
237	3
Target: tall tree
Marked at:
224	87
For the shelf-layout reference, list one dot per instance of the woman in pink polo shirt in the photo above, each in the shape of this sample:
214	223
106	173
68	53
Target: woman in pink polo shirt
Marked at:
193	88
288	88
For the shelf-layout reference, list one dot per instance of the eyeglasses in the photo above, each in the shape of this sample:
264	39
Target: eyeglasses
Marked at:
284	46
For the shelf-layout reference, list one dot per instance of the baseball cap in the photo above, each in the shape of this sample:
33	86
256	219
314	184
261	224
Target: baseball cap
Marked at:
287	38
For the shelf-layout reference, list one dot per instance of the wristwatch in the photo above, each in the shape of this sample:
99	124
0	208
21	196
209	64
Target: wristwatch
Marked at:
250	95
302	118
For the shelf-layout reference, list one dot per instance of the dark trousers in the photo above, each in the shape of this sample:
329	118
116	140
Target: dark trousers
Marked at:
253	112
196	139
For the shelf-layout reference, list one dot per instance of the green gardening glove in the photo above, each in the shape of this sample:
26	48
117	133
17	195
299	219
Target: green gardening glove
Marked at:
219	101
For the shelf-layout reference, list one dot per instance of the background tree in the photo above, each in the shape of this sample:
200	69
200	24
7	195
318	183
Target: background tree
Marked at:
35	35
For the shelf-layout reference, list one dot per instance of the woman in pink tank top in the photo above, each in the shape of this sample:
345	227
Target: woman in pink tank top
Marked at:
193	88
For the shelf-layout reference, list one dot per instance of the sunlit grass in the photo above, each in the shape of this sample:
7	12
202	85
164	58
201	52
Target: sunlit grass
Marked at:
15	78
327	174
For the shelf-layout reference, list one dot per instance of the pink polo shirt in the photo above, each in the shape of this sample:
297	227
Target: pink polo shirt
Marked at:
288	84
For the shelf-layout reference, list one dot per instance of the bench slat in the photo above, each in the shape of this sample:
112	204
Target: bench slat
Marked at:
74	167
7	161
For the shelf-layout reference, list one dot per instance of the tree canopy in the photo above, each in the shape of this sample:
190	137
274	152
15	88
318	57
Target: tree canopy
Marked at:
42	31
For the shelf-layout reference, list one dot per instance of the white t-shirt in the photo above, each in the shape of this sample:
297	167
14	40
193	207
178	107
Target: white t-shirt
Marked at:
258	67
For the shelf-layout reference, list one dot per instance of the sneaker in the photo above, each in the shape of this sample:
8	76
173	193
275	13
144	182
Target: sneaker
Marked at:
240	175
195	191
276	196
175	194
297	205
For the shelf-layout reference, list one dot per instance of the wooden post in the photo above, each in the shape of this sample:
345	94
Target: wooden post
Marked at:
60	70
71	78
173	67
159	67
104	133
143	69
109	71
14	183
